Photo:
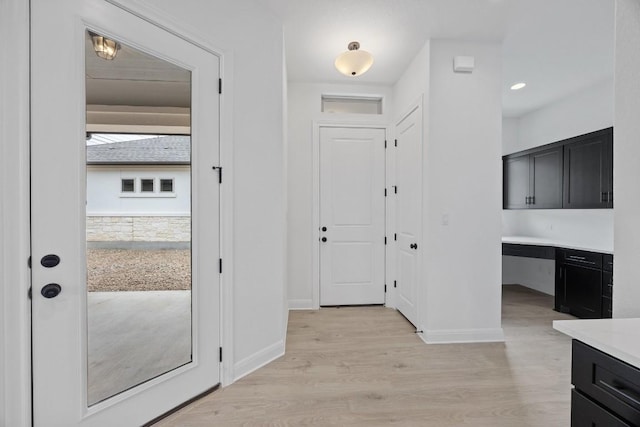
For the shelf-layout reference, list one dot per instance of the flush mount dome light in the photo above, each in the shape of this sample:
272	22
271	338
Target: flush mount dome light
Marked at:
354	62
105	48
518	86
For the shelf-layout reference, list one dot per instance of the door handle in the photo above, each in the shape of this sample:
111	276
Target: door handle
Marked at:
413	246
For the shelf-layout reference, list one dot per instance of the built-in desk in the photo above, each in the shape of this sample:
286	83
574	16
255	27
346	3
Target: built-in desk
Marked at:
583	274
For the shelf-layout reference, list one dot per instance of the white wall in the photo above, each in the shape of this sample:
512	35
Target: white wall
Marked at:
15	315
104	196
251	37
586	111
304	103
463	181
626	157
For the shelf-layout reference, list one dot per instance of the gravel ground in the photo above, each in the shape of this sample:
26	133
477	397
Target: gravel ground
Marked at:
138	270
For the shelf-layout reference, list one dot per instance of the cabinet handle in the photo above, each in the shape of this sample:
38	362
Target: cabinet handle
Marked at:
603	199
610	196
533	200
526	200
621	391
581	258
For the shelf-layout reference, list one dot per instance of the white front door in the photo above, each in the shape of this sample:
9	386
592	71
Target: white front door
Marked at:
409	212
352	216
104	356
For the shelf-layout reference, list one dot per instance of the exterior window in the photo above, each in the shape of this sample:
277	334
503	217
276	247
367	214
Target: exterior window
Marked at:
166	185
146	185
128	185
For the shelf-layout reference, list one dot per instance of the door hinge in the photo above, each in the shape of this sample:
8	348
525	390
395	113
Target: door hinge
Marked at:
395	236
219	169
385	192
395	189
395	284
29	262
220	263
220	355
385	240
385	143
219	85
29	294
395	142
385	288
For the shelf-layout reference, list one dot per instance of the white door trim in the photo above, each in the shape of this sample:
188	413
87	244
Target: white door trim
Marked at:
315	228
15	277
160	18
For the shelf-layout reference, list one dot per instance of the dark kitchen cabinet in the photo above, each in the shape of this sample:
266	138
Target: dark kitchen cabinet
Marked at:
606	389
573	173
588	171
579	280
533	181
516	182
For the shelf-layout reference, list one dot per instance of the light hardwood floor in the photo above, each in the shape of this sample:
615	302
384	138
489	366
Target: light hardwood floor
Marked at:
366	366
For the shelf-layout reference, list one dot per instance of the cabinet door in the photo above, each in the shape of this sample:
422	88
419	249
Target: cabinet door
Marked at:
516	182
588	172
583	291
608	170
546	179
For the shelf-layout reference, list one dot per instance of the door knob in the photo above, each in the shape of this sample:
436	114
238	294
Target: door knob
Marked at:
413	246
324	239
324	228
51	290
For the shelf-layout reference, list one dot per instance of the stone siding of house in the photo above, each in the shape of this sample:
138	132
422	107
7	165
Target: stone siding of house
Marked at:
138	228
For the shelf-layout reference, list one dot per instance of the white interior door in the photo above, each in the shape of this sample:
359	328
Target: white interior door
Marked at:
352	216
409	212
70	326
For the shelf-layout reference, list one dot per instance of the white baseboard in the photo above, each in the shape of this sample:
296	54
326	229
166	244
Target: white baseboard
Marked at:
258	360
300	304
452	336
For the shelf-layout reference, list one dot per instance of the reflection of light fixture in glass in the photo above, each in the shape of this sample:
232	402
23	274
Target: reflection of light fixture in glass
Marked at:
354	61
105	48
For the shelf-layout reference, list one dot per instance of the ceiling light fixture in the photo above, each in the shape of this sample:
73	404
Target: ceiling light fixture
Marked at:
518	86
105	48
354	62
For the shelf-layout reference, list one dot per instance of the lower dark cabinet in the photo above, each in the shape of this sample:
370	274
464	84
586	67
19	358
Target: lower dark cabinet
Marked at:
583	288
585	413
606	389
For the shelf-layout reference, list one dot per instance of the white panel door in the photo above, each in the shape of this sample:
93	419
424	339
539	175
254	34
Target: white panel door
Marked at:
409	212
352	216
62	324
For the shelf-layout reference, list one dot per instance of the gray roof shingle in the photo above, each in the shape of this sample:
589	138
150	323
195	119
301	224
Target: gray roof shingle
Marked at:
166	150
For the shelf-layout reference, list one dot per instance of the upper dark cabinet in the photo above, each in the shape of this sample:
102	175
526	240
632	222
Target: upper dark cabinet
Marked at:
533	181
516	182
588	171
574	173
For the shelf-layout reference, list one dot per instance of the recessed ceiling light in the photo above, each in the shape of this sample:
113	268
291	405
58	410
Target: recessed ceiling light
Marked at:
518	86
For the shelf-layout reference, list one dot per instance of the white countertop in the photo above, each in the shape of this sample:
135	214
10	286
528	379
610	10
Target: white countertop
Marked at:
525	240
618	337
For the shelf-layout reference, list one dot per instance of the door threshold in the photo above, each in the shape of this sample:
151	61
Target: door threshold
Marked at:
182	405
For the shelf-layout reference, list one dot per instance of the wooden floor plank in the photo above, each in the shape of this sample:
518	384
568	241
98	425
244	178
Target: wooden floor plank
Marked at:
365	366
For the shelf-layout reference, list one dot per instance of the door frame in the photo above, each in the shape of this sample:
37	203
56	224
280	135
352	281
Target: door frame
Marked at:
315	209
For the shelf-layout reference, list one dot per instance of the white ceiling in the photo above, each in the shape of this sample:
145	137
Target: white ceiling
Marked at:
557	46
